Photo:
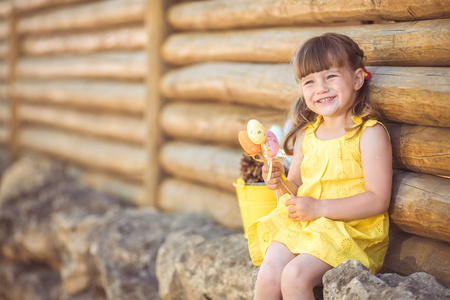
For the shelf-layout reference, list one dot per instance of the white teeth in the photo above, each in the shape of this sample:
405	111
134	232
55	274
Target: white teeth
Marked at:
325	100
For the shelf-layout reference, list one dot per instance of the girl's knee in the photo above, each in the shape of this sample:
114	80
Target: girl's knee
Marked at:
295	276
268	284
299	276
269	275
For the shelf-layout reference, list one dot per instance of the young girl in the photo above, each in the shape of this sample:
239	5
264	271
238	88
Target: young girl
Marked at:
341	174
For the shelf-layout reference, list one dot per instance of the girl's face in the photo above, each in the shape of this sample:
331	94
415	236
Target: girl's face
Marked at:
332	92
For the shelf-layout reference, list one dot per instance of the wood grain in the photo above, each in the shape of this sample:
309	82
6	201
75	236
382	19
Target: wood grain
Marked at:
213	123
129	37
183	196
226	14
420	204
90	15
130	129
115	66
403	94
212	166
105	96
117	158
421	148
422	43
408	254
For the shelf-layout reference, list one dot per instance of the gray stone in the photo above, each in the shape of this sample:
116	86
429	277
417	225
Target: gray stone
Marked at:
352	280
170	286
36	282
27	228
60	240
5	159
92	241
192	265
124	250
28	176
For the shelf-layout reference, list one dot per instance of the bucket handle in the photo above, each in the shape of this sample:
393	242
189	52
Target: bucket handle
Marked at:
239	182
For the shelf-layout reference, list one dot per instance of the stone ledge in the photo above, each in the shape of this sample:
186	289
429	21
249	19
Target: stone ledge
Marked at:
60	240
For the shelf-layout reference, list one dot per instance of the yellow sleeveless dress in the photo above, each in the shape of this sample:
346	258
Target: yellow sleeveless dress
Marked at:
330	169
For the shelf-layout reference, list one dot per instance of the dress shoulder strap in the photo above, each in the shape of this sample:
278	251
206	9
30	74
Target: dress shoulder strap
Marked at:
371	123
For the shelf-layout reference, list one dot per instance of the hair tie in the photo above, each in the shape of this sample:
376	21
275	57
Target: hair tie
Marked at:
367	74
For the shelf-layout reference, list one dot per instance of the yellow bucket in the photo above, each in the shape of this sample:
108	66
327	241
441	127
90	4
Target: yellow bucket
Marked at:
255	201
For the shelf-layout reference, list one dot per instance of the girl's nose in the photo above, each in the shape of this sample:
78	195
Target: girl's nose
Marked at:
321	87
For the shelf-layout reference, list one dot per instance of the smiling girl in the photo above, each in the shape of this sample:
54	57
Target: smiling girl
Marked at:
341	170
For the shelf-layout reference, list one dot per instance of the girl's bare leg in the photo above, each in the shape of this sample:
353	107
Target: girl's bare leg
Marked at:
268	284
301	275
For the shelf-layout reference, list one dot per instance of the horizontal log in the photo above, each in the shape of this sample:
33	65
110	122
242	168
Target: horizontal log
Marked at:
4	50
130	37
22	6
421	148
266	85
183	196
412	95
418	148
91	15
108	156
119	66
400	92
94	95
210	165
240	14
4	29
212	122
128	191
420	204
123	128
422	43
408	254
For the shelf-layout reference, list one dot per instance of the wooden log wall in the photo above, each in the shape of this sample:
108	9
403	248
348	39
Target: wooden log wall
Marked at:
154	119
5	24
79	88
230	63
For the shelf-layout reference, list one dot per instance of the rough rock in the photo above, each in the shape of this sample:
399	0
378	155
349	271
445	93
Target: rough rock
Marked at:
124	250
90	243
28	176
63	241
27	229
5	159
36	282
352	280
175	245
201	264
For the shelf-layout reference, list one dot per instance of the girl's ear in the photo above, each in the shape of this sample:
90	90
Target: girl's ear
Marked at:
359	79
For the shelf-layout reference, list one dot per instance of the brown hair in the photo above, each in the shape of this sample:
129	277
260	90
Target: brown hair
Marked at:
322	53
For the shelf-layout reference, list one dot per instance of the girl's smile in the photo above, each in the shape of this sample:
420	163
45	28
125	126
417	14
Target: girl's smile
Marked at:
326	100
330	93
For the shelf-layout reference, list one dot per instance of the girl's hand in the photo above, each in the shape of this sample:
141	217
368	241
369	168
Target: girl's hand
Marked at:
275	179
303	208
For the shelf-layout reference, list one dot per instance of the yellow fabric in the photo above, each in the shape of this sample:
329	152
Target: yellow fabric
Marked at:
330	169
